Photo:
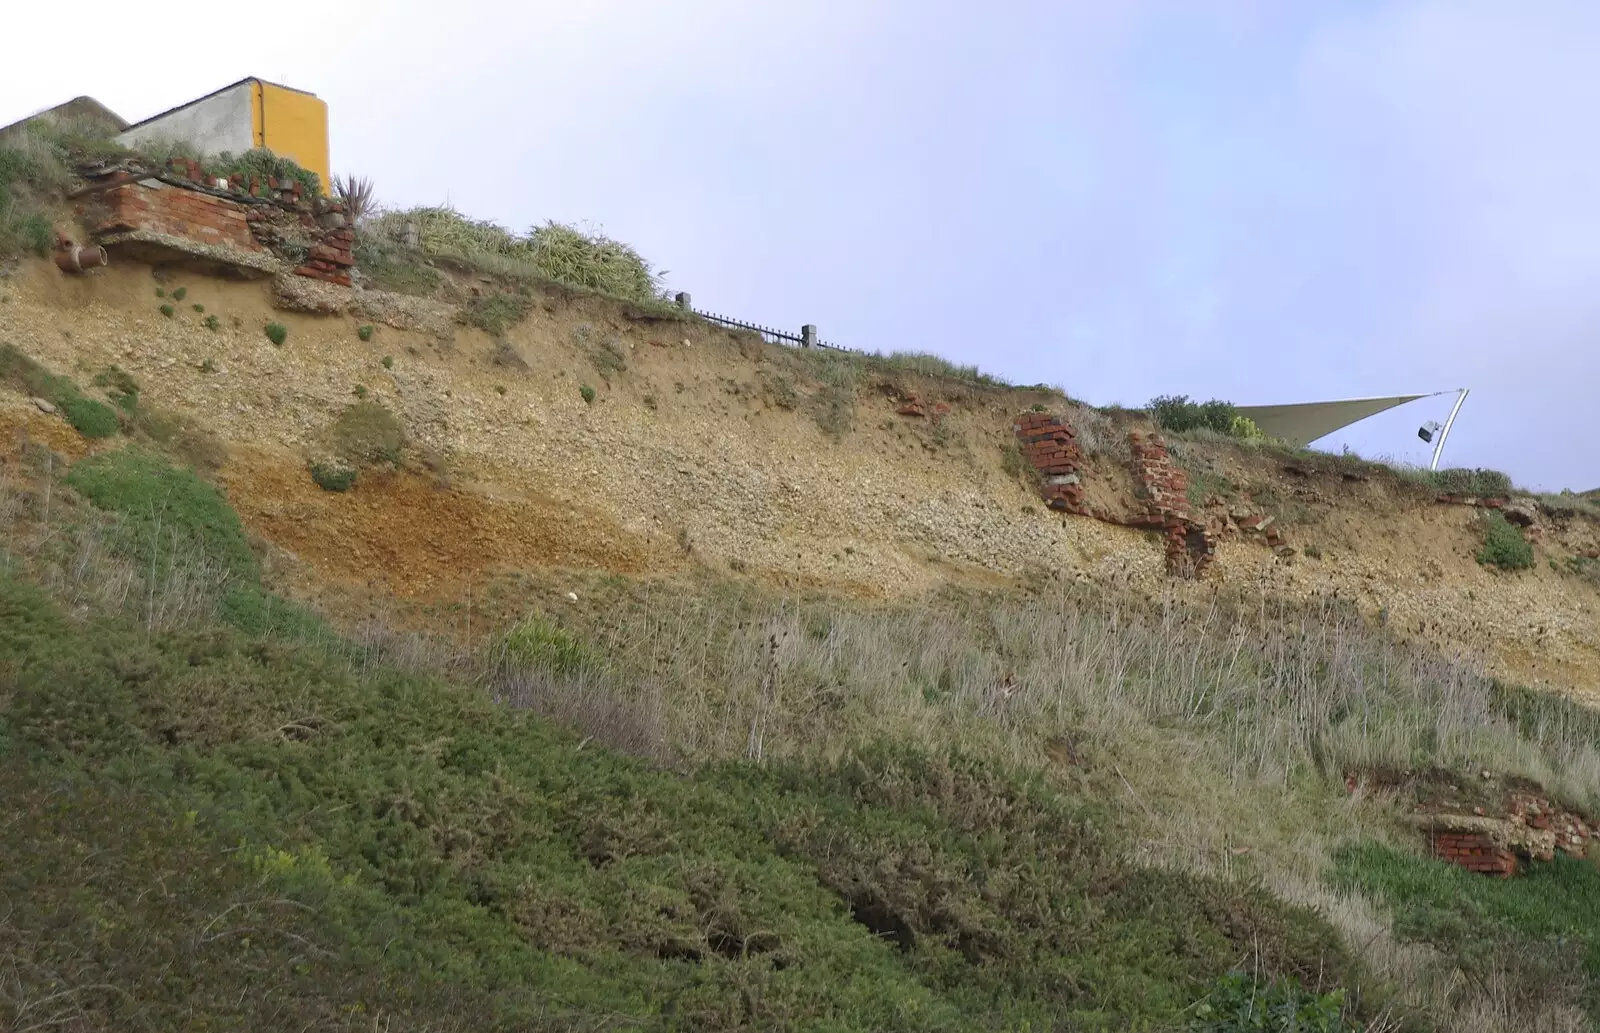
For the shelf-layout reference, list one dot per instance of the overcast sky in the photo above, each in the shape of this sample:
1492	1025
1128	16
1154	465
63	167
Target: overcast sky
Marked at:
1260	200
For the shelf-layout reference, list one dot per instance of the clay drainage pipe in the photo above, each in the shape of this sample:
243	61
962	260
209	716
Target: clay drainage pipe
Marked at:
76	259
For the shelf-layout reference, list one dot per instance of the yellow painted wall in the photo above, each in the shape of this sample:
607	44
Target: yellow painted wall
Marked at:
294	125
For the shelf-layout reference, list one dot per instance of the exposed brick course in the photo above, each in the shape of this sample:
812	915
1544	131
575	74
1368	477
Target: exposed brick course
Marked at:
181	201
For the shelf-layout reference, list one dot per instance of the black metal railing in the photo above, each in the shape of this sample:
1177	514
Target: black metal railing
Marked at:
806	338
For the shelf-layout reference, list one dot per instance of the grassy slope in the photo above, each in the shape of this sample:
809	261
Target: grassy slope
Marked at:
214	828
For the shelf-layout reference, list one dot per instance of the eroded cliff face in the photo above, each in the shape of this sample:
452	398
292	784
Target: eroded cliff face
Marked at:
701	448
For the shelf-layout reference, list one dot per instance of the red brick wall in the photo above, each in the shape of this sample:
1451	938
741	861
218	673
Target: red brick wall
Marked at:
1164	488
1050	445
1475	851
175	212
251	215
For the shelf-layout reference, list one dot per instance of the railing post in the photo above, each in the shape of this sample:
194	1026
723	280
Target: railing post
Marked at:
808	336
683	301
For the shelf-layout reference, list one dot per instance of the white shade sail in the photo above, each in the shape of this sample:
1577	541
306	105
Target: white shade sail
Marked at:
1301	423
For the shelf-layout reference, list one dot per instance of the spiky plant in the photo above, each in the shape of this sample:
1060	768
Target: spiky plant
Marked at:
356	193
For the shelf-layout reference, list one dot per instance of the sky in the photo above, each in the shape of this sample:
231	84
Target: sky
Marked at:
1259	200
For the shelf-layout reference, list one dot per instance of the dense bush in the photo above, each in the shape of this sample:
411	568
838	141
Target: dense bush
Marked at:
1178	414
1504	545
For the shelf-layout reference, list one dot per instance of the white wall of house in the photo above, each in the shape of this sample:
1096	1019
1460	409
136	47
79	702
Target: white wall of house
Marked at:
223	122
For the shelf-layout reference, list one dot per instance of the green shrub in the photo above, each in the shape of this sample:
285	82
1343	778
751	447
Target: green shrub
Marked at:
180	294
212	323
161	292
263	164
167	310
364	332
199	308
388	362
333	477
368	434
90	418
1504	545
587	392
277	333
164	509
1178	414
1244	427
1239	1003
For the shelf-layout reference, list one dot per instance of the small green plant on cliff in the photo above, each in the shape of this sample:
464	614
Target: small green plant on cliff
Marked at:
211	322
335	477
495	313
199	308
1244	427
161	292
120	387
1504	545
277	333
368	434
180	294
168	310
1240	1003
365	333
587	393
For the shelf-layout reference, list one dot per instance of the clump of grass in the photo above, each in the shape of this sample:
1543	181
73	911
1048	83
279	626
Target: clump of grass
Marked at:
368	434
388	362
537	644
277	333
833	408
168	311
389	267
557	252
88	417
1504	545
161	292
587	393
335	477
180	294
211	322
495	312
365	333
29	169
120	387
1538	932
608	356
208	366
930	365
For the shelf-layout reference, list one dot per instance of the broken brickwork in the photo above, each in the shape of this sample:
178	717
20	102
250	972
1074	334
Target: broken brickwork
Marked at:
1164	488
180	204
1050	446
